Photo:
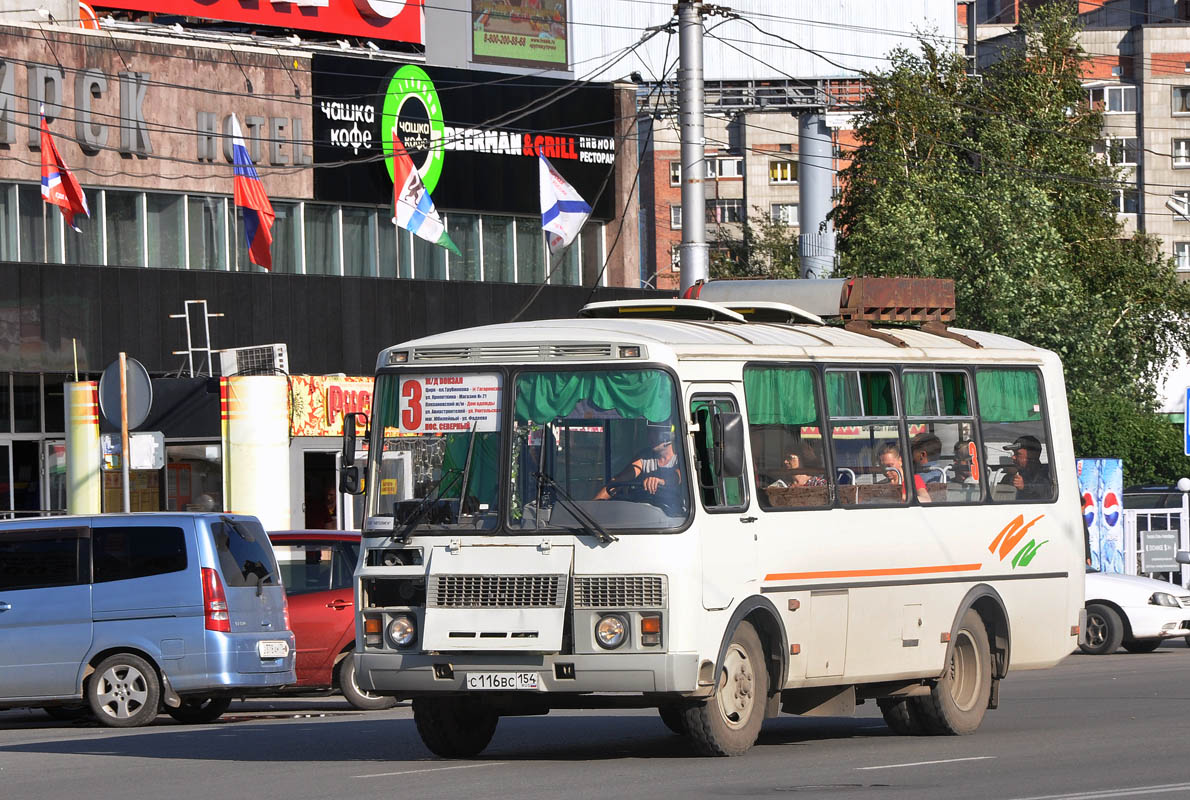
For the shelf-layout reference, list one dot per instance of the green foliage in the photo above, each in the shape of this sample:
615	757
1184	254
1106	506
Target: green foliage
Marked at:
768	249
1112	426
991	181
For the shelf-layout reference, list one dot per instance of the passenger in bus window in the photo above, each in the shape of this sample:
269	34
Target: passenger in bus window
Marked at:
962	463
804	467
890	461
1028	475
927	449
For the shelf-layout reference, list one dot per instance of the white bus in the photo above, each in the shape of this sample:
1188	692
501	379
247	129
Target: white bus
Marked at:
724	509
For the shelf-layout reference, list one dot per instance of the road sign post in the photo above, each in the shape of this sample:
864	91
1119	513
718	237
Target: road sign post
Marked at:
130	378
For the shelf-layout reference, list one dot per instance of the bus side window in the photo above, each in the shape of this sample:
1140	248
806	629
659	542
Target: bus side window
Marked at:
1015	440
718	493
942	453
786	436
866	441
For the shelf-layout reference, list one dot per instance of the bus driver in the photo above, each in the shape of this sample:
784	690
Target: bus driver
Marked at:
659	468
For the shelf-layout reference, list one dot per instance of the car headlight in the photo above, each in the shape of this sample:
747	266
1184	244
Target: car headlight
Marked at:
1164	599
611	631
401	631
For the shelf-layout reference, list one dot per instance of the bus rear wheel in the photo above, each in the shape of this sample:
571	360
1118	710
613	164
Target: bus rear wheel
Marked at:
454	727
958	701
728	723
901	715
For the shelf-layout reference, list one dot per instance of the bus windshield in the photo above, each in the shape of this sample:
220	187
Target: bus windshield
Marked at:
600	445
438	460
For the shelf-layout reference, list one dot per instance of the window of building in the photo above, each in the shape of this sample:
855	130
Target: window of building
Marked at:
322	239
125	233
8	223
1127	200
1181	152
165	218
565	267
359	241
530	249
499	257
675	258
1181	200
675	173
1113	99
287	238
26	402
208	232
464	232
784	213
675	216
731	168
193	477
1120	151
725	211
122	553
85	246
1181	256
1181	99
782	171
591	242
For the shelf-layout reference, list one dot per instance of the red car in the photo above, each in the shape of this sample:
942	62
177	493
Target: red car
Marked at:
316	568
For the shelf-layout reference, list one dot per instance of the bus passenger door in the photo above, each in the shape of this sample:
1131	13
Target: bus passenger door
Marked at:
726	529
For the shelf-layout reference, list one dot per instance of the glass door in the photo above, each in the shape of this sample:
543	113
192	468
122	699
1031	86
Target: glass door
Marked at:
54	475
5	480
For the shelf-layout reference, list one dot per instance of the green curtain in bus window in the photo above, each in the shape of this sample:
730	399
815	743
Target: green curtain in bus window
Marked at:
1008	395
483	478
954	394
842	395
780	396
878	394
920	399
543	397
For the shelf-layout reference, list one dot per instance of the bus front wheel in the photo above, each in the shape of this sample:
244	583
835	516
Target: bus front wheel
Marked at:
728	723
957	702
454	727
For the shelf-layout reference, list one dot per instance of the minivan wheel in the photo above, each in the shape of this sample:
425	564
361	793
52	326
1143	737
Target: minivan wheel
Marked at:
124	691
197	710
454	727
357	696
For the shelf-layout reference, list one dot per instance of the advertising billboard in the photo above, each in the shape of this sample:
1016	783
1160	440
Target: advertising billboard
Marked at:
529	33
1101	485
389	20
474	136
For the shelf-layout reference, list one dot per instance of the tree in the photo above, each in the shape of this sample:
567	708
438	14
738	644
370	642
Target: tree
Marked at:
991	181
767	248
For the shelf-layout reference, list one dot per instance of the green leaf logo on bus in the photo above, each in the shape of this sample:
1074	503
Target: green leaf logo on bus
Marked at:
1011	536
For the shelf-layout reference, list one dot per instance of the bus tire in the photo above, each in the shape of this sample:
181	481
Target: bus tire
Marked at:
728	722
1105	630
901	716
958	701
674	718
454	727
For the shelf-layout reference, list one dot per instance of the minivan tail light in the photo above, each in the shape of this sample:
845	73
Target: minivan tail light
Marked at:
214	602
285	612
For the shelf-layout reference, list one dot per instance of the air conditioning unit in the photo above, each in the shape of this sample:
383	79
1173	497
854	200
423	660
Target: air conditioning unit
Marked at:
265	359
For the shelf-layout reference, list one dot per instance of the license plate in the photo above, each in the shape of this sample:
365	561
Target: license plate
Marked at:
481	681
272	649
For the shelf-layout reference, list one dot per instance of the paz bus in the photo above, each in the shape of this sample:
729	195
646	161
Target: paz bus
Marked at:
771	497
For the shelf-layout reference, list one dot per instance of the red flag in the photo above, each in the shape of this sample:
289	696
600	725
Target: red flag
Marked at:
58	185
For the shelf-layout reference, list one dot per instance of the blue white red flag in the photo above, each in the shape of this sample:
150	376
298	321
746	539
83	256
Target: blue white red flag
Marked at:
413	209
251	197
58	186
563	210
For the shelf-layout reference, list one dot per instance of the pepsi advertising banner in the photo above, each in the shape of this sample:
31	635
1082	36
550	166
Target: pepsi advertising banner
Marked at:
1101	485
474	136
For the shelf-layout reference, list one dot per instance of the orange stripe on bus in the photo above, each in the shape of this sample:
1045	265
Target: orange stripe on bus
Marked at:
871	573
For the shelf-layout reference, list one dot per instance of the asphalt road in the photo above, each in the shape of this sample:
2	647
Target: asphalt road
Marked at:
1094	727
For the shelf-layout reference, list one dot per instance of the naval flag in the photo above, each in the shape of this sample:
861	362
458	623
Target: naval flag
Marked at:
563	210
58	186
251	197
413	209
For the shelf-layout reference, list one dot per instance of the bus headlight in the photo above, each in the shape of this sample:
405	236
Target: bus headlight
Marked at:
611	631
401	631
1163	599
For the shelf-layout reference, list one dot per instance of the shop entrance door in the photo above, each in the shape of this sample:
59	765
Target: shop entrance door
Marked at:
320	483
54	475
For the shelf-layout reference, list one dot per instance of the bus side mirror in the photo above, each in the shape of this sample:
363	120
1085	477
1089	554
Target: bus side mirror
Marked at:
1182	557
729	435
349	477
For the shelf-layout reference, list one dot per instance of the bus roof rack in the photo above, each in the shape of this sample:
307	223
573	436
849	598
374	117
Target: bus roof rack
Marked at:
693	310
871	299
765	311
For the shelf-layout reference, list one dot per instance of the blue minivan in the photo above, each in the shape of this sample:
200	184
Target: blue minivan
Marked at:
129	614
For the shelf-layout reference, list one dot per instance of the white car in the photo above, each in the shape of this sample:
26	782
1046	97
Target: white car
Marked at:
1139	613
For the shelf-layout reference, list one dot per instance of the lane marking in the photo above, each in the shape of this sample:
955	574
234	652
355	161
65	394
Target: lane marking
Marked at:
927	763
429	769
1133	791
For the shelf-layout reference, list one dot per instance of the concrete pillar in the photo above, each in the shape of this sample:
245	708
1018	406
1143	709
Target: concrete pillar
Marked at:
255	416
84	481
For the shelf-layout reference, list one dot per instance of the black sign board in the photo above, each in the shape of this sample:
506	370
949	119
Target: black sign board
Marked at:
474	136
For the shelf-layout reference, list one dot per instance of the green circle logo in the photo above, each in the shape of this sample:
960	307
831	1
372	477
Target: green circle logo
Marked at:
411	106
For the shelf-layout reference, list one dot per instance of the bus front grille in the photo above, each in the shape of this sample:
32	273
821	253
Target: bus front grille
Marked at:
619	591
497	591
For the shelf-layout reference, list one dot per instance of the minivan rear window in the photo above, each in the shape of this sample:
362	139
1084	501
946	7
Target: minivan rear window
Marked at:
245	555
122	553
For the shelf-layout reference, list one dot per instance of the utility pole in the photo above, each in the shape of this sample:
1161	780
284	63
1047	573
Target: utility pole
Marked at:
693	250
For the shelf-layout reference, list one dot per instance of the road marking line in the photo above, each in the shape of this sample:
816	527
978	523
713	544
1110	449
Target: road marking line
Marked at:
430	769
927	763
1163	788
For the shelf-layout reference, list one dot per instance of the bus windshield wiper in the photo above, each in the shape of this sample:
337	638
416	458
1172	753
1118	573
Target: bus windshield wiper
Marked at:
582	516
431	499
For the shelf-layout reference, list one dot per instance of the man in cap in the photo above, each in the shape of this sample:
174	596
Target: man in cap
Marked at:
658	469
1030	477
